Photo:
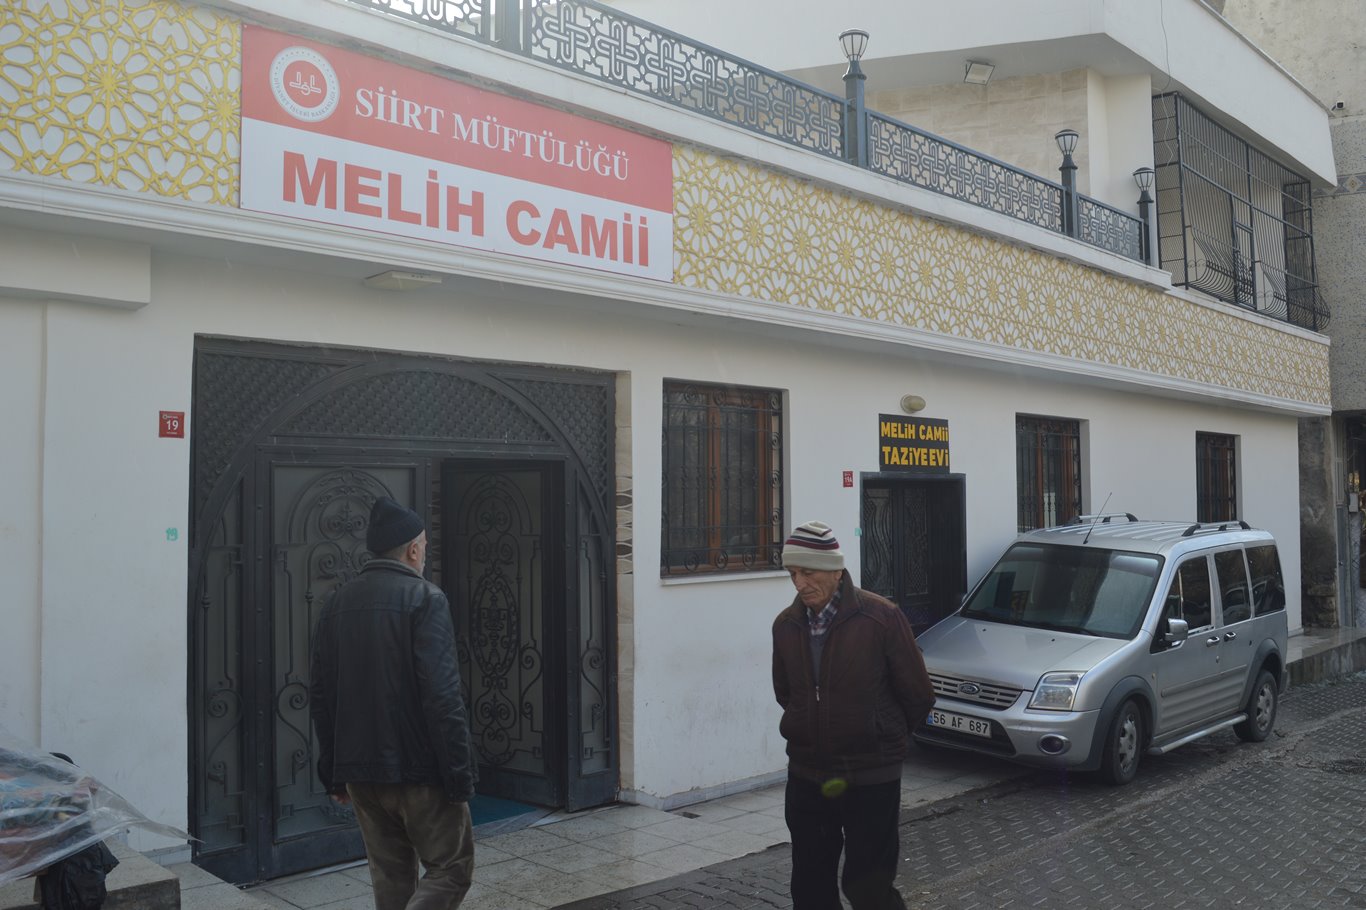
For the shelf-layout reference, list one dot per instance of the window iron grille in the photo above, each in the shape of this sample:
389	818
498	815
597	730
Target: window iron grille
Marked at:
722	479
1047	471
1231	221
1216	477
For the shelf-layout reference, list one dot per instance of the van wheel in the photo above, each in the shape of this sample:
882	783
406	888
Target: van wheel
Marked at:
1119	763
1261	710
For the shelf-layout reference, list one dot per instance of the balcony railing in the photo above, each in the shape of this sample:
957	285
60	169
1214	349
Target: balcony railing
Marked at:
603	43
597	41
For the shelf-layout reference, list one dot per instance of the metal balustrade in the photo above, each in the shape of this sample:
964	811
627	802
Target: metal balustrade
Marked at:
467	18
922	159
1108	228
594	40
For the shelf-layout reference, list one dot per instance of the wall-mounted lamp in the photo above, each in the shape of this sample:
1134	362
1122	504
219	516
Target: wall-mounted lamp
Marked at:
401	281
912	403
977	72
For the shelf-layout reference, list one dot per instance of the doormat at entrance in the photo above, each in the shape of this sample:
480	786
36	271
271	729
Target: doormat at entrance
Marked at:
486	809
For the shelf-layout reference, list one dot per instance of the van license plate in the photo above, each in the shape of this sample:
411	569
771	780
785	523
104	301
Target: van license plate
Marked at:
961	724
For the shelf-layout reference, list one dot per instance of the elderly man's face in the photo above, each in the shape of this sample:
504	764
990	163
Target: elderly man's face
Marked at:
815	587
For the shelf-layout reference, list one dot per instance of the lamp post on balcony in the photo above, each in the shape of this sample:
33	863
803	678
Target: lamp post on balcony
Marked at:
1067	144
507	25
1144	178
854	41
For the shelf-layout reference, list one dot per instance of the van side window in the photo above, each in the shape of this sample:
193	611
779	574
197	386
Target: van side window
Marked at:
1232	572
1189	598
1268	588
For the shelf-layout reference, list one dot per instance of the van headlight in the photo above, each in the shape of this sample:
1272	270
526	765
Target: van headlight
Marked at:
1056	692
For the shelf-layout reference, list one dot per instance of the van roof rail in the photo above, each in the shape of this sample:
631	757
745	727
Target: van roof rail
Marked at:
1215	526
1104	517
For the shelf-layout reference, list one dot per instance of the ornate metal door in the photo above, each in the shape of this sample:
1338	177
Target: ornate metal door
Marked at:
317	520
502	569
914	547
291	446
533	646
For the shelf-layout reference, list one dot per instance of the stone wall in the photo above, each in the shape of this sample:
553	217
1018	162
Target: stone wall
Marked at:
1318	526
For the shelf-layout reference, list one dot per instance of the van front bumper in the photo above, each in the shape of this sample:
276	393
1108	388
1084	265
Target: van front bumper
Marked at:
1044	739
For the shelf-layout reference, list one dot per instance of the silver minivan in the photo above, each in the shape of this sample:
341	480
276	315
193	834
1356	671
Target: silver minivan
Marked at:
1088	645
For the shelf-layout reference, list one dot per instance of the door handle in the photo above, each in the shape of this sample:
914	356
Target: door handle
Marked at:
1211	642
1229	636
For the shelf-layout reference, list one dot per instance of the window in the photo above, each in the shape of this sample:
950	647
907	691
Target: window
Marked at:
723	480
1268	588
1071	589
1189	597
1216	481
1228	565
1047	471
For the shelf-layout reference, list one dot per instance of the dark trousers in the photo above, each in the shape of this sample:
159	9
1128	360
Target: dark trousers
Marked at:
404	823
861	821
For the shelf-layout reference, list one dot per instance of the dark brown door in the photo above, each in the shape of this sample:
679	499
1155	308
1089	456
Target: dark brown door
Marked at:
914	549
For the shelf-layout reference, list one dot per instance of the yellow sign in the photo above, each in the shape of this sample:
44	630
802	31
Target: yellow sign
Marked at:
918	445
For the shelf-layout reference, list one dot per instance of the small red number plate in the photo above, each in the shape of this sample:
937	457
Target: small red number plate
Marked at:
172	425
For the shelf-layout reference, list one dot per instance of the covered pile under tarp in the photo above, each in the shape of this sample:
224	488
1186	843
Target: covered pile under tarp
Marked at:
51	809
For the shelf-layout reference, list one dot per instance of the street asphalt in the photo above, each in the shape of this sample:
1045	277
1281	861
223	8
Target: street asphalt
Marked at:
1215	824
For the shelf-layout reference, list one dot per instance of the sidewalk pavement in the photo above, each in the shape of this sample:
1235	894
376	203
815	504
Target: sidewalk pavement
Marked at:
564	857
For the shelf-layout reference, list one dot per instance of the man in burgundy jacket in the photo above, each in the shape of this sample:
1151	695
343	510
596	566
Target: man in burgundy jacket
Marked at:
852	685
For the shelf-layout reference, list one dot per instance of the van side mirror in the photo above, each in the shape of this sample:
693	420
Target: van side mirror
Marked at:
1178	630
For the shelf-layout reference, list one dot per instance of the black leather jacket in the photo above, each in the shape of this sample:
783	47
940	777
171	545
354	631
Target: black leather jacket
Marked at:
385	692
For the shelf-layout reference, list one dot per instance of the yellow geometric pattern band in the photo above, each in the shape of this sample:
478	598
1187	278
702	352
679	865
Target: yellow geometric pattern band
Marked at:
743	229
136	94
145	95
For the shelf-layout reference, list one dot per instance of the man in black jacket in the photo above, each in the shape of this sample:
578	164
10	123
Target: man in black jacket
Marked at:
393	737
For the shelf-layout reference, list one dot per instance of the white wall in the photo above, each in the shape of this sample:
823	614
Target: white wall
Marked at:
113	586
111	667
1120	134
702	689
21	521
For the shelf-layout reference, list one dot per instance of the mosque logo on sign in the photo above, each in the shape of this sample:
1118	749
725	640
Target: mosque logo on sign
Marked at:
304	84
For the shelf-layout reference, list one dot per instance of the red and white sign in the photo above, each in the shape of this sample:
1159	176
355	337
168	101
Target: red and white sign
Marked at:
335	136
171	425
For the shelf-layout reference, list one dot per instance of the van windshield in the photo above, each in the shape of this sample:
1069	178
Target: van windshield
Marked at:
1070	589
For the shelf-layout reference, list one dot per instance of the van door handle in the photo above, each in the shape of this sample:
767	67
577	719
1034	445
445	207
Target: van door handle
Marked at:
1211	642
1229	636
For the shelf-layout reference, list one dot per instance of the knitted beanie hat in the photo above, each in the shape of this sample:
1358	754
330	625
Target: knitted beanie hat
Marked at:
391	525
813	546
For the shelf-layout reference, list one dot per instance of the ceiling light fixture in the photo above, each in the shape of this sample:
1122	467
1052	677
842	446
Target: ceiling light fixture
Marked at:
393	280
977	73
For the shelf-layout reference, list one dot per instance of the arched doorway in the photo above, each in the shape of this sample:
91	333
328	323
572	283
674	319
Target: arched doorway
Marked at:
512	468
